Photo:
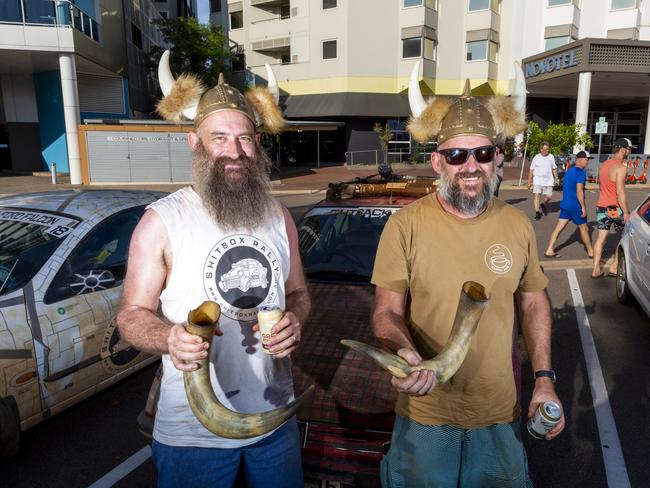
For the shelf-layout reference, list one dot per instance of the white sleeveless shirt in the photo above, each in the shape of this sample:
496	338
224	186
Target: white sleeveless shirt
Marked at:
240	271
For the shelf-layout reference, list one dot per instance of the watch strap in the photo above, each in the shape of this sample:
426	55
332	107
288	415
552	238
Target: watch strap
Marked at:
545	373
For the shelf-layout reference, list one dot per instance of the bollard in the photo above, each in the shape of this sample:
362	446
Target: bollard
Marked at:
53	172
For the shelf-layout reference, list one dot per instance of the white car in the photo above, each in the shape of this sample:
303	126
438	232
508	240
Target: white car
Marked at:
62	263
633	276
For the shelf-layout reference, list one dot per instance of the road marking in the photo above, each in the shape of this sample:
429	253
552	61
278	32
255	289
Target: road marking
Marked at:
612	453
119	472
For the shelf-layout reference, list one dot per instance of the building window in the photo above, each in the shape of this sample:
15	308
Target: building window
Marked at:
555	3
329	4
478	5
163	14
412	47
329	49
482	51
136	35
236	20
285	12
621	4
429	49
432	4
215	6
285	59
553	42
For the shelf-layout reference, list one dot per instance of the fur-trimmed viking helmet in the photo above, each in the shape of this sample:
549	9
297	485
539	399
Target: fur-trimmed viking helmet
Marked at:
440	119
187	98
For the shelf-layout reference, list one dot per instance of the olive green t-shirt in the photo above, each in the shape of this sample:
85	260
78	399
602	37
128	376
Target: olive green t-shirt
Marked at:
427	254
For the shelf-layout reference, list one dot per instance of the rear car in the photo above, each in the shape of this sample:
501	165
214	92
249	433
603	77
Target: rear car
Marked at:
633	274
62	264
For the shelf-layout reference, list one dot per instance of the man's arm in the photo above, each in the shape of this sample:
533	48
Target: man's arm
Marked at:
620	174
287	332
390	329
146	273
535	313
580	194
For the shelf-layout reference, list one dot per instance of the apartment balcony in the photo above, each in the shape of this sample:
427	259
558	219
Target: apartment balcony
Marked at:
270	3
55	13
272	47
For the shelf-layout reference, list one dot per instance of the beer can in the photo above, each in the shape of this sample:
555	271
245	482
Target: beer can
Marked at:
267	317
547	415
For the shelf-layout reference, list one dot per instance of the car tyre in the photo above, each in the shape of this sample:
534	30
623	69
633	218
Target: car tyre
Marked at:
9	427
622	288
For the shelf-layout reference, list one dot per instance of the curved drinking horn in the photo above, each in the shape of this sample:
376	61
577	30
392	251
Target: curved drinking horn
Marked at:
167	80
416	100
212	414
473	301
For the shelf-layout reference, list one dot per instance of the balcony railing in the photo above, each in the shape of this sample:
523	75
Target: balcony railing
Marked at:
49	12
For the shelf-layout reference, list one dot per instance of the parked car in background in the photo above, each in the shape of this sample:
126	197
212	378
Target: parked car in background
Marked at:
62	263
633	274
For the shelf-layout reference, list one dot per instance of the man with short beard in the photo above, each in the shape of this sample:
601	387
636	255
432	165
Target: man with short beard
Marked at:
223	239
465	432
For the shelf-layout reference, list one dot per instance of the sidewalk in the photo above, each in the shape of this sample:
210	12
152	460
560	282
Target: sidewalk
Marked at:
291	180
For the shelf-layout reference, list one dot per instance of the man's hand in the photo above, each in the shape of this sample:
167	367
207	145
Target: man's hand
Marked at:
285	335
544	391
584	213
418	383
185	348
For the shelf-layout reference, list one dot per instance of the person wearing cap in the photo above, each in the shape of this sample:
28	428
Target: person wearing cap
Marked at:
464	432
542	176
572	206
611	207
224	239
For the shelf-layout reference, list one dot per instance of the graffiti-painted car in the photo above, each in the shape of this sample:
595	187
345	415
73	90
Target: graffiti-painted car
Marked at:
245	274
62	264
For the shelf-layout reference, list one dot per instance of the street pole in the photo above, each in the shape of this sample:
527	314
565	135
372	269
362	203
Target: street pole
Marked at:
523	161
600	140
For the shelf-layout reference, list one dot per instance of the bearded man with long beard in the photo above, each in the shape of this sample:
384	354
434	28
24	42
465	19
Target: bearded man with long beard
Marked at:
465	432
223	239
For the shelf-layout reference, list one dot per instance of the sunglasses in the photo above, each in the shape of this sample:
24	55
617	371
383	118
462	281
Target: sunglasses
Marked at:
459	155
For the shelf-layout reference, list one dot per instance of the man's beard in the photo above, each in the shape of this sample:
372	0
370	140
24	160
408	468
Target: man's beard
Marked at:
451	192
234	198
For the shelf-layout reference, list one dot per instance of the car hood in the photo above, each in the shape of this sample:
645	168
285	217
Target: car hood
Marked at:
350	388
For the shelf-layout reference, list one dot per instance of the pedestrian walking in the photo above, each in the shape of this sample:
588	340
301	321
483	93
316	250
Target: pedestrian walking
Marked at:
572	206
499	160
542	176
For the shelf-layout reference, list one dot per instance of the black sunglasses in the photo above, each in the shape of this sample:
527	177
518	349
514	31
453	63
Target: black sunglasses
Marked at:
459	155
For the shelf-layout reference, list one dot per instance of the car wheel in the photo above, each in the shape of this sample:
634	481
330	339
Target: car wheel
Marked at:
622	288
9	427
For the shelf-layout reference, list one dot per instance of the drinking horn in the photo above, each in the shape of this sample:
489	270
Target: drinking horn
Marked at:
207	408
473	301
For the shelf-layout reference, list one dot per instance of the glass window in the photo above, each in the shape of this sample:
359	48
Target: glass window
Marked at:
10	11
329	4
477	50
553	3
329	49
237	20
417	3
478	5
618	4
39	12
215	6
99	261
429	49
553	42
412	47
285	11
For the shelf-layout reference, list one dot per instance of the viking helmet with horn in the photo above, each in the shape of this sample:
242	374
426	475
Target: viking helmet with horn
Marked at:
187	98
440	118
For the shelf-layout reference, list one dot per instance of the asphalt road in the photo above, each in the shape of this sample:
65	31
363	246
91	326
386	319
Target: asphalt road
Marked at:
600	353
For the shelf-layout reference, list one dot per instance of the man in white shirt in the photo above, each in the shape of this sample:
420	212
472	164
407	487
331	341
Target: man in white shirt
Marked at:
542	176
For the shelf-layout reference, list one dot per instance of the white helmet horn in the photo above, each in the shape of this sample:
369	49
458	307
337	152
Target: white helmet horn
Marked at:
167	81
519	92
272	86
416	100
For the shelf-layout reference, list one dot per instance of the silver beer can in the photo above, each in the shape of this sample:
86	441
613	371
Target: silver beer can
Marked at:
547	415
267	317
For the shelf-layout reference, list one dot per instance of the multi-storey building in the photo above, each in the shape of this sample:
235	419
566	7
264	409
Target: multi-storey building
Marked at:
346	63
62	61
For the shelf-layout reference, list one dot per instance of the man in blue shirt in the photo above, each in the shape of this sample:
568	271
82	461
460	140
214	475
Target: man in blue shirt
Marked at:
573	206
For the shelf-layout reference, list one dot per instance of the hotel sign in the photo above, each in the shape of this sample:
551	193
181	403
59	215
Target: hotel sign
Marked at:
549	64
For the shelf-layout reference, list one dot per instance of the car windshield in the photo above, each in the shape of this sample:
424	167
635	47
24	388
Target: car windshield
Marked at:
341	243
27	240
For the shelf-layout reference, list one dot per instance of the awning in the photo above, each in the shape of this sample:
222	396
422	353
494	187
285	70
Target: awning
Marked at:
347	105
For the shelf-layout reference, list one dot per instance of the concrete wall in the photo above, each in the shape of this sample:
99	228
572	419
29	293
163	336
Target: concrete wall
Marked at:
49	101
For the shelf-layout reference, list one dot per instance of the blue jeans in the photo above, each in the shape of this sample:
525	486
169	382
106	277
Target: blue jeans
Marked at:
445	456
272	462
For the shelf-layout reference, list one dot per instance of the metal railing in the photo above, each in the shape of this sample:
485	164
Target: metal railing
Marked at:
378	156
49	12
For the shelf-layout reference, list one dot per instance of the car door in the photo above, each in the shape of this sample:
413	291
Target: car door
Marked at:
640	235
77	313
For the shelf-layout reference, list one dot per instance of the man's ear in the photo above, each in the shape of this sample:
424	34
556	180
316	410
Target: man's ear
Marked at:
258	137
436	161
193	139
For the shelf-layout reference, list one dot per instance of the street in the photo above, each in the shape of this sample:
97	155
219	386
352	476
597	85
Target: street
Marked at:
600	355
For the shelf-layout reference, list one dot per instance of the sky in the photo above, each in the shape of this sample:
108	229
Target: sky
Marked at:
203	11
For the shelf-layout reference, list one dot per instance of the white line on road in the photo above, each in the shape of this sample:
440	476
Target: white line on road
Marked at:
119	472
612	454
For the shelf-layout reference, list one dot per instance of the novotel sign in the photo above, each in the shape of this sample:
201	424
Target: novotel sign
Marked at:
551	63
